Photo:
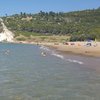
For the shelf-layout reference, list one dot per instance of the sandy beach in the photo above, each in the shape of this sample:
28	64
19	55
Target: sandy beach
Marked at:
82	48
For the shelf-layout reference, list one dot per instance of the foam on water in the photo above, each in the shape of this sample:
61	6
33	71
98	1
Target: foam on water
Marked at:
69	60
44	48
75	61
60	56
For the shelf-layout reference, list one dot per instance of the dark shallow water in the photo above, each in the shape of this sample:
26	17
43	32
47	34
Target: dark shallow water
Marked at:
26	75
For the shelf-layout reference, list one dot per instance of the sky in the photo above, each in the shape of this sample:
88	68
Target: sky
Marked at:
10	7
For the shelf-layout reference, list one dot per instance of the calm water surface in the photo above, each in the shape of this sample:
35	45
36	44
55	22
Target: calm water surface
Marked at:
26	75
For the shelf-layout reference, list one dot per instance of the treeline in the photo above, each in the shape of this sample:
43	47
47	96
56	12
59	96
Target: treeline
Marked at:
84	24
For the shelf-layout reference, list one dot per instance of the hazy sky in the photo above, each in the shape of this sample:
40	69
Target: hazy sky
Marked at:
34	6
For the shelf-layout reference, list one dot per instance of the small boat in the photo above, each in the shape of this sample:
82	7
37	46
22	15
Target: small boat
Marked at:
43	54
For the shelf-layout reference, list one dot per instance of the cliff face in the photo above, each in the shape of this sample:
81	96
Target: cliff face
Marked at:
5	34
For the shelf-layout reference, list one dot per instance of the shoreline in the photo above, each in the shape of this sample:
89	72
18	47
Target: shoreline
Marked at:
76	48
92	51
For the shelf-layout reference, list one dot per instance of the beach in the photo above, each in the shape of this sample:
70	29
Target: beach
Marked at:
81	48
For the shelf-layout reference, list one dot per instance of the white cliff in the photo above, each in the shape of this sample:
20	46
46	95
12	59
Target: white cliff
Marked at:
6	35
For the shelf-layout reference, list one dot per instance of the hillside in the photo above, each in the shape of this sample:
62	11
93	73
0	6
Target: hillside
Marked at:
80	25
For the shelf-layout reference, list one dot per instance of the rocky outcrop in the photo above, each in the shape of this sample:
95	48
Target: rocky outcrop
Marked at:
5	34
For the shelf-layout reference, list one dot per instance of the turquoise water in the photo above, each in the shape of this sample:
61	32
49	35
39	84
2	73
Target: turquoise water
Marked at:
26	75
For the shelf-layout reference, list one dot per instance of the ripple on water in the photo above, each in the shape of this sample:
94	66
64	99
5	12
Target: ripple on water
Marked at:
25	75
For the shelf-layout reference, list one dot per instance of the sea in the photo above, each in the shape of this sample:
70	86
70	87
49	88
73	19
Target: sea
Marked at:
25	74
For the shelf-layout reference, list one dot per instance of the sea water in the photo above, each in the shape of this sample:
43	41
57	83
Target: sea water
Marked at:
27	75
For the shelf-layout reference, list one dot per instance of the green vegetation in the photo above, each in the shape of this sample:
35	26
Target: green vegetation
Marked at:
44	38
1	29
26	34
79	25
